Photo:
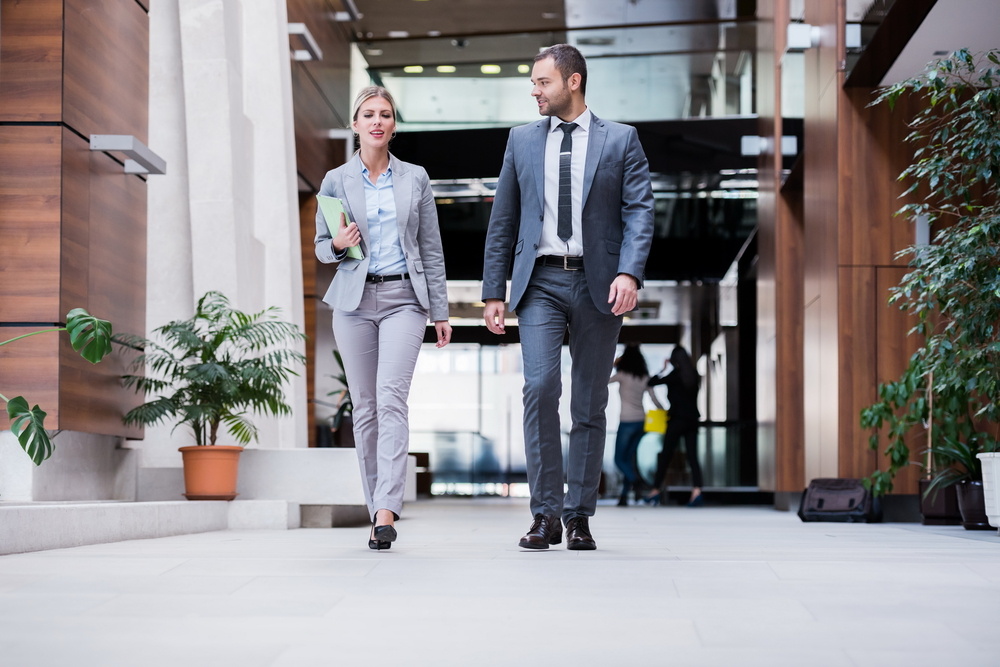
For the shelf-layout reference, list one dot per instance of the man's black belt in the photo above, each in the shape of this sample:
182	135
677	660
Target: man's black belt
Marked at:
372	278
561	261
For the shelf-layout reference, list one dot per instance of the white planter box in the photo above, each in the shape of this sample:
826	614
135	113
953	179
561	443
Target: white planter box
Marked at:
991	485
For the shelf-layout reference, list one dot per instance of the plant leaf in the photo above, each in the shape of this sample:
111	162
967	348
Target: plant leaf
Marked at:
29	426
88	335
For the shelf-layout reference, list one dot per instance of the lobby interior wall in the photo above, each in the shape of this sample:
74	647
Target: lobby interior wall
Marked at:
322	102
73	225
780	299
225	216
852	338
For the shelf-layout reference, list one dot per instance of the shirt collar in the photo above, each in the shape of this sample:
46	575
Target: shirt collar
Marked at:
365	172
583	120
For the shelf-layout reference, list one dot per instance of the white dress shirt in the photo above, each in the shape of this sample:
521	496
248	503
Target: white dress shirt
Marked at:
550	243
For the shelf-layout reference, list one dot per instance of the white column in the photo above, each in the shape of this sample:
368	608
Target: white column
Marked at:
225	216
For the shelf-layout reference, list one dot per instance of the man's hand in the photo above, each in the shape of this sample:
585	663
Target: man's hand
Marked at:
624	294
348	235
493	314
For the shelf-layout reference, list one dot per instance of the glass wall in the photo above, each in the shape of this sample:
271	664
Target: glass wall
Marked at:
466	412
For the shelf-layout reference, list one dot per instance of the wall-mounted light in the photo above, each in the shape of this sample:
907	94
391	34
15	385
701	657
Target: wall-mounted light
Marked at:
754	145
140	160
304	47
801	37
351	13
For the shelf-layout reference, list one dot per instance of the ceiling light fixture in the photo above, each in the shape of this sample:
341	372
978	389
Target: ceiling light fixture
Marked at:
446	69
413	69
523	69
490	69
398	34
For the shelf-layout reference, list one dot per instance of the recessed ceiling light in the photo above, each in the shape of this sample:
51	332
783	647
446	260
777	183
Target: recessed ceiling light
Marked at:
398	34
523	69
373	52
413	69
433	33
445	69
490	69
550	15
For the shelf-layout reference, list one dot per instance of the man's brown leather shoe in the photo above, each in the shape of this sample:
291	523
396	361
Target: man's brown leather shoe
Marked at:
578	537
545	530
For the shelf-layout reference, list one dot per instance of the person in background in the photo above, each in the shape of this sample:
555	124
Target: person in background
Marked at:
632	376
382	301
682	383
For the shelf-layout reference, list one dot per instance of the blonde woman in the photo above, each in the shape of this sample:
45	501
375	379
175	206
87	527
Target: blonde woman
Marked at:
382	301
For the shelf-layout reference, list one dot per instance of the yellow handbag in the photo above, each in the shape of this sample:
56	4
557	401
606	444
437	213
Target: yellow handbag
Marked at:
656	421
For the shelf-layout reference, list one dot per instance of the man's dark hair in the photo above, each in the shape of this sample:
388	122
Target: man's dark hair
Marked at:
568	60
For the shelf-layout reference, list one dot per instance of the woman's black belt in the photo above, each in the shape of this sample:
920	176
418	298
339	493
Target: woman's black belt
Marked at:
373	278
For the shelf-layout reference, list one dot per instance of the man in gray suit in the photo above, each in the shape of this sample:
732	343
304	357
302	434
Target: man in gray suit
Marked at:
574	208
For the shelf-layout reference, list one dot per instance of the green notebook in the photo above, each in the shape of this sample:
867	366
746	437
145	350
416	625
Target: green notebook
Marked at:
332	208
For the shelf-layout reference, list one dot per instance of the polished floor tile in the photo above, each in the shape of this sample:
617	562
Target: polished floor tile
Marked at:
667	586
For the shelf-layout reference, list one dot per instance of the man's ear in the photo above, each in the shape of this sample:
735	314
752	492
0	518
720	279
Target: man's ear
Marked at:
574	81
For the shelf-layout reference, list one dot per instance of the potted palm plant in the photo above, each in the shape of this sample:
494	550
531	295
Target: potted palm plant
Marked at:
952	382
214	369
89	336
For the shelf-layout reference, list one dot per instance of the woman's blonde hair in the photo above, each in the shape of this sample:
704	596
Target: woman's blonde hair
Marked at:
369	92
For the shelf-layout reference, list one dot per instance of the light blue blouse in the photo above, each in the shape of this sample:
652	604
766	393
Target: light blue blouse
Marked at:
384	245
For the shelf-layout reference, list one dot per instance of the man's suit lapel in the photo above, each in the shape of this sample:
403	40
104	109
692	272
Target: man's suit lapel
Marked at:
536	155
595	148
354	190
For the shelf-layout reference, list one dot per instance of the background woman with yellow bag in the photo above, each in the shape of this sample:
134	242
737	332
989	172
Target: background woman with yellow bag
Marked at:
632	376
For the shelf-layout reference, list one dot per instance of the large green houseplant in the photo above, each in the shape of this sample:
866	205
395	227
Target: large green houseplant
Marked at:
214	369
952	382
89	336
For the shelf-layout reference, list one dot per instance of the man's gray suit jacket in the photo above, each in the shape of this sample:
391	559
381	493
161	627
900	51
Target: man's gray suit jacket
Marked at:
617	210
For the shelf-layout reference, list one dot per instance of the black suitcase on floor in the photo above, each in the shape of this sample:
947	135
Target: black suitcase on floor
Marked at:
844	500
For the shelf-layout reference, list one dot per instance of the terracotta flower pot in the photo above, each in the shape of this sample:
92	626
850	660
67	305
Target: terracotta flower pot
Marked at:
210	472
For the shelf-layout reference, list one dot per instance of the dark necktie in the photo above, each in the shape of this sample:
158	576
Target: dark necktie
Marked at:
565	218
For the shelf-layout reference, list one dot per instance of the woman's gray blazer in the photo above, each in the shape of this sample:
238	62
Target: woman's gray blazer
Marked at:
417	219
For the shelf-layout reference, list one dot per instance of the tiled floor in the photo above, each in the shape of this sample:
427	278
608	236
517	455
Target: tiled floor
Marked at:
667	586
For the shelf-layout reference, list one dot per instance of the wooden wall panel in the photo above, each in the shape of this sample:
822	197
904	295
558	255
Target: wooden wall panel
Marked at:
104	270
320	90
29	223
790	436
315	152
30	368
859	336
894	349
873	154
31	58
106	79
310	301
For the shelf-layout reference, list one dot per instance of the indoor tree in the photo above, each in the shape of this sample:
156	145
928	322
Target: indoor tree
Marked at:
952	290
